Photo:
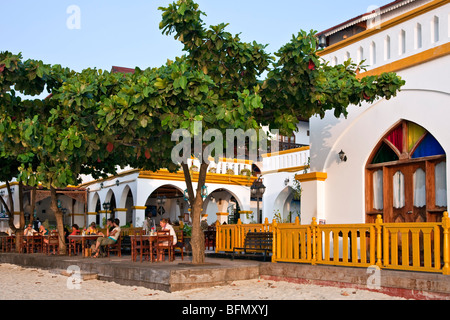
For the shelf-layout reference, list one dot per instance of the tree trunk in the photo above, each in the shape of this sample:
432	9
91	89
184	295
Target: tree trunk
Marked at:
32	204
196	202
59	221
19	233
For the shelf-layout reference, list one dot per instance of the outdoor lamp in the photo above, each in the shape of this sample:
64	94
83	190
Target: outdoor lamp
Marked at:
64	210
262	189
204	192
322	41
106	205
161	200
342	156
117	182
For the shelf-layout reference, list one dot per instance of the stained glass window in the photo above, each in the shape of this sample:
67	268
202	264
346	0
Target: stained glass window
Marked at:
418	143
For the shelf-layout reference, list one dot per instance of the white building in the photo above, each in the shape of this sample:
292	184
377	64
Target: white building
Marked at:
395	149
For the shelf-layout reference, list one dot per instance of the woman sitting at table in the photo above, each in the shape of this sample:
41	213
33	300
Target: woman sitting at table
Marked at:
75	230
92	230
42	231
111	239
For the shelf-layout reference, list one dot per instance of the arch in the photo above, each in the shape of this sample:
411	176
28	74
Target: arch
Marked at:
93	203
231	193
174	205
124	196
408	156
285	201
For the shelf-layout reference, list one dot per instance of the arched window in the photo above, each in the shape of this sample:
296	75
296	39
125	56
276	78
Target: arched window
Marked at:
406	176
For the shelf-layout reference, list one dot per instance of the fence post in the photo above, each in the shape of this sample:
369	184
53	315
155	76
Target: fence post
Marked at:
266	225
314	248
378	226
218	242
238	237
297	221
275	240
446	244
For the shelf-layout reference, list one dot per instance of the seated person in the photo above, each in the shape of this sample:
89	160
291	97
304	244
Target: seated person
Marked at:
75	230
29	231
111	239
42	231
92	229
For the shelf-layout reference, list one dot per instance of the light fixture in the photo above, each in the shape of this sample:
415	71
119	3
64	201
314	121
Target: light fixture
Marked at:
106	205
204	192
161	200
286	181
64	210
117	182
322	41
101	185
342	156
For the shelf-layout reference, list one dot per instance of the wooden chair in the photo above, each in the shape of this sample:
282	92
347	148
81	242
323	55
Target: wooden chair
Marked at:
180	243
53	242
35	243
139	246
8	243
162	232
146	249
210	239
116	247
74	247
163	243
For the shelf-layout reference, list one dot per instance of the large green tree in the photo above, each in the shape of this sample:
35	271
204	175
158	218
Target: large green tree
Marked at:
98	120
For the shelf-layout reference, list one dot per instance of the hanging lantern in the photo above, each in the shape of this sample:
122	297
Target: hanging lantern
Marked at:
204	192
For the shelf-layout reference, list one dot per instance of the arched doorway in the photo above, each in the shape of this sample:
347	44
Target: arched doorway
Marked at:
406	176
287	205
167	201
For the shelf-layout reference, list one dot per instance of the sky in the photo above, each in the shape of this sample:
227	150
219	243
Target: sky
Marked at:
126	33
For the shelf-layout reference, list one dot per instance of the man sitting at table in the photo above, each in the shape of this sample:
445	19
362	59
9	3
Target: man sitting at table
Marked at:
112	239
29	231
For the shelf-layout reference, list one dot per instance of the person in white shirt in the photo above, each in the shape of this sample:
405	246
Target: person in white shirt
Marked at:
164	223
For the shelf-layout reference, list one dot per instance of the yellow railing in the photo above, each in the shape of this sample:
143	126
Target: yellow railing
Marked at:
402	246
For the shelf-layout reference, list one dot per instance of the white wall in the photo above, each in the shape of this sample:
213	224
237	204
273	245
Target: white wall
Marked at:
424	100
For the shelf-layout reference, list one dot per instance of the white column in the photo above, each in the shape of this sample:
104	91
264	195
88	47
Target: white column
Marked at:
138	216
121	214
313	196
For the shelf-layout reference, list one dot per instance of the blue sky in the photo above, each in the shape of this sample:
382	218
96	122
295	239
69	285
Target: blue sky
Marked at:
126	33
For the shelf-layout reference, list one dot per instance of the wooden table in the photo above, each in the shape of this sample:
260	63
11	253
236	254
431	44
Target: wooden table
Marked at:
82	239
150	238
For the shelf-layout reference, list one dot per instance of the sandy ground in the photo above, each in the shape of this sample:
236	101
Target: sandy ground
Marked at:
18	283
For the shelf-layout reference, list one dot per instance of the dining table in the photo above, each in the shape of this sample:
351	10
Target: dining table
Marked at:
82	239
149	237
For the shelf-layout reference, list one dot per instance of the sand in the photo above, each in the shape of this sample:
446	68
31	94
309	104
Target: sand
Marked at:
19	283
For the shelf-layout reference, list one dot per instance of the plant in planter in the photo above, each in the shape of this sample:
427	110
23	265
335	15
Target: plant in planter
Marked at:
246	172
193	168
230	171
212	170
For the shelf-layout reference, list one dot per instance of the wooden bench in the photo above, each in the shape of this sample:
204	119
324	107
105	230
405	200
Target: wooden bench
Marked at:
256	241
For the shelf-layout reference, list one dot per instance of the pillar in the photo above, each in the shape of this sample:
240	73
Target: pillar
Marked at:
313	196
222	217
138	216
90	217
121	214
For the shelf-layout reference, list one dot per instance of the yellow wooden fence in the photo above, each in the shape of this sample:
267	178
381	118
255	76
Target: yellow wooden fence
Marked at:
402	246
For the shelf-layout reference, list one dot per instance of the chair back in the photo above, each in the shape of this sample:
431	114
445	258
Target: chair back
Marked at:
162	232
163	241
